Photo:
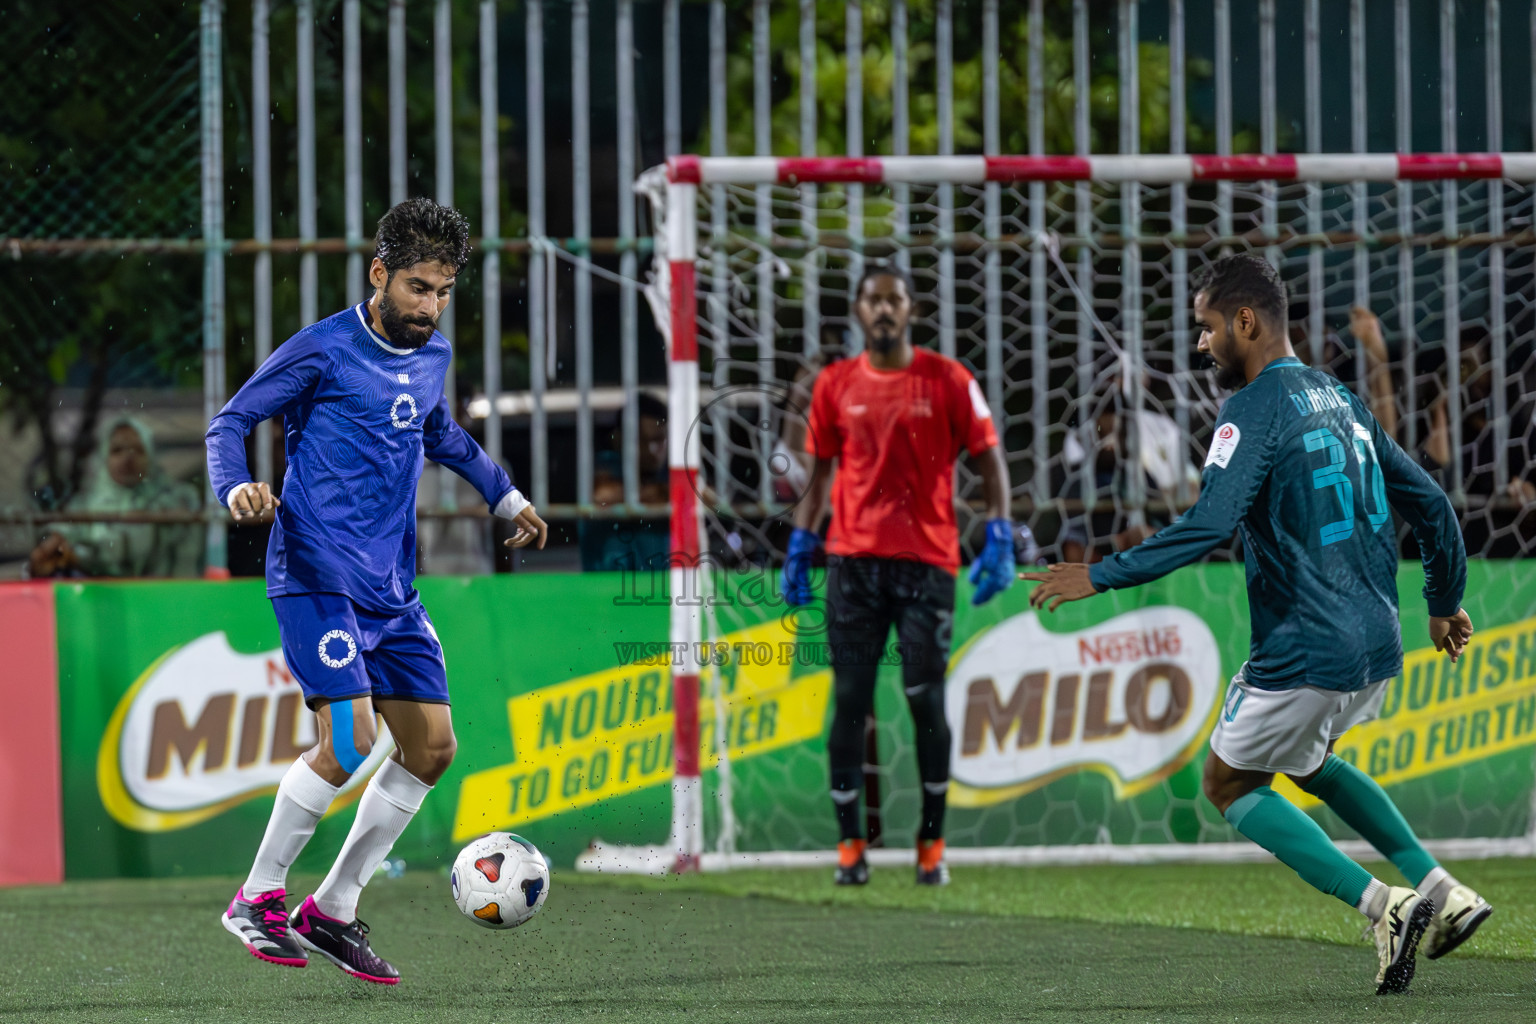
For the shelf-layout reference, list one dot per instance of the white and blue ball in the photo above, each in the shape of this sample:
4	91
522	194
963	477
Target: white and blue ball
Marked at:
500	880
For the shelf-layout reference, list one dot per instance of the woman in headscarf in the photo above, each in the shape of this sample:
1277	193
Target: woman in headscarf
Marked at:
125	477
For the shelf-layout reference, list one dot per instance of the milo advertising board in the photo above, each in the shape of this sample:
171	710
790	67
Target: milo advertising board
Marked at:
179	717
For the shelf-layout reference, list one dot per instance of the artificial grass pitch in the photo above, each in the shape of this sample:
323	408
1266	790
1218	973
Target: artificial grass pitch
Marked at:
1241	942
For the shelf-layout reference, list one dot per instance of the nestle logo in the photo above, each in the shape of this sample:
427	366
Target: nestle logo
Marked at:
1129	645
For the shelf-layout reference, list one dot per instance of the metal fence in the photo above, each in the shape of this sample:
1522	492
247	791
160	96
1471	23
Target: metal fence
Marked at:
555	349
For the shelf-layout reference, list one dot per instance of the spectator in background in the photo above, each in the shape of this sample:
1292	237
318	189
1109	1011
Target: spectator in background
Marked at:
630	545
1489	524
124	477
1479	454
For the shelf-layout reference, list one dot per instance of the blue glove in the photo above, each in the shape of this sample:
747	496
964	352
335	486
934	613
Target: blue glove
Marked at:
795	580
992	572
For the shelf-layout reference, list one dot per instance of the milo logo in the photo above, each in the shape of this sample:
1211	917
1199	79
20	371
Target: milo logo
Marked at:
1132	698
203	729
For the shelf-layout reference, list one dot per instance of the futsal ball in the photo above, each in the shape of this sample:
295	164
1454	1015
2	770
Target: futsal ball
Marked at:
500	880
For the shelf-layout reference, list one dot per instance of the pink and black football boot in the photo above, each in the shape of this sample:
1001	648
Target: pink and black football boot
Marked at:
343	944
262	925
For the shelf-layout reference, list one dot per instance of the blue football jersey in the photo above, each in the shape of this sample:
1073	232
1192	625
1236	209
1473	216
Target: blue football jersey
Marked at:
1303	468
359	415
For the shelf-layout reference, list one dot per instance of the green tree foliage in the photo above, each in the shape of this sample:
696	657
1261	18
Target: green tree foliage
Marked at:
879	72
98	139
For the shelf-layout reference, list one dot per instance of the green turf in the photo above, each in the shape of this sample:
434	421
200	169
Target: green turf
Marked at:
1261	898
707	948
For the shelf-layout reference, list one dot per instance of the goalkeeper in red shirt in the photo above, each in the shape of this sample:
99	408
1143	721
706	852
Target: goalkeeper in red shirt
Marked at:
895	419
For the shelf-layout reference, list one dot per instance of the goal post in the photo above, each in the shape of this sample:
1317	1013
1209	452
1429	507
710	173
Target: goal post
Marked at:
1071	283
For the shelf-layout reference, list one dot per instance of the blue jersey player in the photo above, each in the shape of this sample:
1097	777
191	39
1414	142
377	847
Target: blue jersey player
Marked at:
1302	468
361	397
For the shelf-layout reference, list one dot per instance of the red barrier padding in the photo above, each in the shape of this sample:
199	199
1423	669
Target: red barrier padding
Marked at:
685	515
31	794
1449	166
1260	167
830	168
683	170
683	305
685	731
1039	168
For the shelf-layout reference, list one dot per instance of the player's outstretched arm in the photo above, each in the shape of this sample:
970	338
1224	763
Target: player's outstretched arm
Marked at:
253	503
287	376
446	443
1059	583
1451	633
1420	501
530	528
1235	470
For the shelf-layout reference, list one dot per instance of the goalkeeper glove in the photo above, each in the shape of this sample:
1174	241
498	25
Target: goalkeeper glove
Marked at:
795	581
992	572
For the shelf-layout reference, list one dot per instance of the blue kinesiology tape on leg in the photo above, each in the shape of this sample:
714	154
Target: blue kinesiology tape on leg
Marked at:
341	737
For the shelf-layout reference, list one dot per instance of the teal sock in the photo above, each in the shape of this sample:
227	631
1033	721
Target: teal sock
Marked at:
1364	806
1278	825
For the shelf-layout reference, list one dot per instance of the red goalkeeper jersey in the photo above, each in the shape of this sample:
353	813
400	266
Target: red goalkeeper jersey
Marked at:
896	435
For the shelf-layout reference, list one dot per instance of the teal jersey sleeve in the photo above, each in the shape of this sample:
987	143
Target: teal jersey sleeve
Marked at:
1415	496
1241	455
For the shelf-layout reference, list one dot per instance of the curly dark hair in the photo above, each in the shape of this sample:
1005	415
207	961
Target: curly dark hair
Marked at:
1241	280
421	231
882	268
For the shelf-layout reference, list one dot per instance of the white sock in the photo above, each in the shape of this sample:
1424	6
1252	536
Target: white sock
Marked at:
389	803
302	798
1373	902
1437	885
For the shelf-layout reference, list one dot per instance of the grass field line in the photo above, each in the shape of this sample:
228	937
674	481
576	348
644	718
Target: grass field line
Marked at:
657	860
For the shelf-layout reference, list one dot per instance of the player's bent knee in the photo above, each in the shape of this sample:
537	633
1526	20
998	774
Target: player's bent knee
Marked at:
351	741
1224	785
322	761
1217	783
442	756
348	757
430	762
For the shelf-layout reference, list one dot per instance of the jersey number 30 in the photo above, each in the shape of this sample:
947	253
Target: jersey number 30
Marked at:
1332	475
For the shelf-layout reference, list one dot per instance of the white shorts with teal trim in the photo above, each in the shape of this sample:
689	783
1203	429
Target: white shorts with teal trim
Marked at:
1288	730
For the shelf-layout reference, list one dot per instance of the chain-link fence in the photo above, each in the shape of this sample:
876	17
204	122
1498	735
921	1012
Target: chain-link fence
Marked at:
534	117
102	294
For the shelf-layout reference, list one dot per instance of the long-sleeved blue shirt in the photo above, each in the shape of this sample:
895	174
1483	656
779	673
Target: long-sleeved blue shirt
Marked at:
358	415
1306	472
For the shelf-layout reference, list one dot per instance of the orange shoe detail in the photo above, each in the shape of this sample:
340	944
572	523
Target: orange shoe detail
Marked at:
929	853
849	851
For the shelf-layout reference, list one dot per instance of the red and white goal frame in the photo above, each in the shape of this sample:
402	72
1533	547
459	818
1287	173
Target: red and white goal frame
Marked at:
674	300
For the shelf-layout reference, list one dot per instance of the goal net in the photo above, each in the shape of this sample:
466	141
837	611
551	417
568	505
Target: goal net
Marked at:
1063	284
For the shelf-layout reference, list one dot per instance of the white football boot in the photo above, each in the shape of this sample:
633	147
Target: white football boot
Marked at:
1455	922
1397	935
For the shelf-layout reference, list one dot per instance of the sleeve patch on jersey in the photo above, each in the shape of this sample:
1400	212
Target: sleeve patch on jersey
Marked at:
979	401
1227	436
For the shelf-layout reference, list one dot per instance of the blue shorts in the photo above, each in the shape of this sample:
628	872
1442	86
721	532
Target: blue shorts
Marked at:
338	651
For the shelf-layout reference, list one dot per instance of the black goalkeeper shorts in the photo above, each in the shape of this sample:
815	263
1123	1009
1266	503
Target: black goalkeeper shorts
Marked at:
868	596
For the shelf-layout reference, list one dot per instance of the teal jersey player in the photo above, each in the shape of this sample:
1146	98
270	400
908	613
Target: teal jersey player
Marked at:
1303	470
1306	474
